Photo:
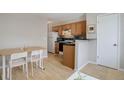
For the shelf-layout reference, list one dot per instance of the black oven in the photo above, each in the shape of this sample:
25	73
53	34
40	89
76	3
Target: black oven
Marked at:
63	41
60	39
61	47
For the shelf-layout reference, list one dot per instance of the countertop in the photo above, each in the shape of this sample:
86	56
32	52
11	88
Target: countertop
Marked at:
66	43
70	44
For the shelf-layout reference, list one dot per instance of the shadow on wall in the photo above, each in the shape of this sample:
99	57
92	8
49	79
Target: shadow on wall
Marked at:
0	61
92	50
0	68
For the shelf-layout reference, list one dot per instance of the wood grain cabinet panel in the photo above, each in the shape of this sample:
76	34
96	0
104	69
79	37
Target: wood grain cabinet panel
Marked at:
73	29
69	56
80	28
55	29
84	28
60	31
66	27
77	28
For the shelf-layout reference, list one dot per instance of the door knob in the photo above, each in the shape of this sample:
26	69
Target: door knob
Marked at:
114	44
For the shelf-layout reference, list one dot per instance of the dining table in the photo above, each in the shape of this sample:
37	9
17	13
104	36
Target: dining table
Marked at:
8	52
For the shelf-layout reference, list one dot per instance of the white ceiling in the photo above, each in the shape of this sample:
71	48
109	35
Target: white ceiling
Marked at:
56	17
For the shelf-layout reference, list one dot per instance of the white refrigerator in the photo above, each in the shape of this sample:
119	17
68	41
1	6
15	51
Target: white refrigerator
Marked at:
52	37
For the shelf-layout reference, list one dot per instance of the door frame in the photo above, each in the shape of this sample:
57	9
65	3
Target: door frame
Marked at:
118	41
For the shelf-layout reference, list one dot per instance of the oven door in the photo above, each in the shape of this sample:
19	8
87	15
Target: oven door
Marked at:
61	47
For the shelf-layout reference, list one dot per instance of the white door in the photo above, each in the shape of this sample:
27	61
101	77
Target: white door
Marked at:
107	38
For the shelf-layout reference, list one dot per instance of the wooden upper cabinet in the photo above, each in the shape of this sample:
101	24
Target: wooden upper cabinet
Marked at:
66	27
73	28
55	28
84	28
81	28
60	30
77	28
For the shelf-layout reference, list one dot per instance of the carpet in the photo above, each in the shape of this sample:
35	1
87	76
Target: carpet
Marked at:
81	76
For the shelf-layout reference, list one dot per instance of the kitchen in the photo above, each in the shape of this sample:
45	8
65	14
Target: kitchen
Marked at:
65	38
53	41
82	42
73	45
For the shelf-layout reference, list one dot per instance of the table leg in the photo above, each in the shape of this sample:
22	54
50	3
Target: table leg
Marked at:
3	71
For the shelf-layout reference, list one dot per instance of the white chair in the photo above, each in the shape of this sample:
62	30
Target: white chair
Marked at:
37	57
18	59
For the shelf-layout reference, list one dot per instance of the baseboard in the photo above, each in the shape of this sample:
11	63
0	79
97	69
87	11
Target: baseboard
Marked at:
93	62
121	69
81	67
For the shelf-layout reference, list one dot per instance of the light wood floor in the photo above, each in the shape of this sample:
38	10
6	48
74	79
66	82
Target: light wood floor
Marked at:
54	70
102	72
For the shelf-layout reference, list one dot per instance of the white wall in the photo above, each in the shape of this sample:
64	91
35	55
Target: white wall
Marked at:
92	44
92	50
91	18
122	42
19	30
81	53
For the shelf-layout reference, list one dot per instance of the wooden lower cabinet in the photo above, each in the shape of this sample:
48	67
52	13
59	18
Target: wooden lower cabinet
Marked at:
69	55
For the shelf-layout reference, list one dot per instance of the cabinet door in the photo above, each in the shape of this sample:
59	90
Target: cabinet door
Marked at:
60	31
73	28
81	28
84	29
67	27
55	29
69	56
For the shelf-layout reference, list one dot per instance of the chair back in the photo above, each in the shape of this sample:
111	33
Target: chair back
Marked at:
19	55
37	54
41	52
